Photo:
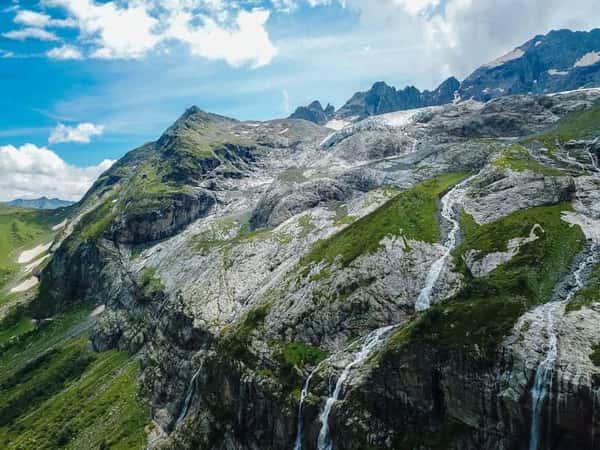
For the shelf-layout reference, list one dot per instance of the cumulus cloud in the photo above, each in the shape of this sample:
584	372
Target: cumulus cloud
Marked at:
81	133
64	52
40	20
247	42
31	33
212	29
30	171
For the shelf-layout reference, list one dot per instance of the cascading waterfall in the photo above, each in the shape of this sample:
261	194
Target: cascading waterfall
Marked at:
543	379
188	398
449	201
370	344
545	371
303	395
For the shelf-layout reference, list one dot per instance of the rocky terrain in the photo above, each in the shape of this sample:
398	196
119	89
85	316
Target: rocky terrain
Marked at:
420	279
559	61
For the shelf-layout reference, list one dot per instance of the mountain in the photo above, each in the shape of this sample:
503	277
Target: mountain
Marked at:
381	99
314	113
40	203
559	61
418	279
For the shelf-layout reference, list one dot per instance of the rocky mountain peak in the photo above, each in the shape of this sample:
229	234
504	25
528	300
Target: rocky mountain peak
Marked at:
314	112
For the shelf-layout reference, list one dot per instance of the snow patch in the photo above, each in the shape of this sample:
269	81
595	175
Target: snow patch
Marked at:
589	59
515	54
59	226
558	73
25	285
337	124
30	255
399	118
98	310
36	263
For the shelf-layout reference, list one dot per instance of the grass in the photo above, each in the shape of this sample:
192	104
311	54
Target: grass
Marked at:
299	354
98	409
151	283
21	229
486	309
576	125
342	217
16	324
517	158
411	214
56	393
589	294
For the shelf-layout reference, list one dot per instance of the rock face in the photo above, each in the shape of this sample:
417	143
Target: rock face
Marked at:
559	61
234	259
381	99
314	113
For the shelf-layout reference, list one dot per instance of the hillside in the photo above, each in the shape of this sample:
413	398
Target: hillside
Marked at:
421	279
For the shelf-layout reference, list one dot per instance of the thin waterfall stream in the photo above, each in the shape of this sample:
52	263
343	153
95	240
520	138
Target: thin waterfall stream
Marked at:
545	371
449	213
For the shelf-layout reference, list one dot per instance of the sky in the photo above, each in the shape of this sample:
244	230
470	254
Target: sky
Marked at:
84	81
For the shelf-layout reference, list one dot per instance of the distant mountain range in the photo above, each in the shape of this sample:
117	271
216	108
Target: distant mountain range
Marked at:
40	203
561	60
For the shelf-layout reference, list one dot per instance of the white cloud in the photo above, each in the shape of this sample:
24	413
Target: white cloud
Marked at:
212	29
40	20
118	32
32	18
30	33
247	42
30	171
65	52
81	133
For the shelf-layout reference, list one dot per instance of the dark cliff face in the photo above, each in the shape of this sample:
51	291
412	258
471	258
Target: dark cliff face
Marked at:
314	113
382	98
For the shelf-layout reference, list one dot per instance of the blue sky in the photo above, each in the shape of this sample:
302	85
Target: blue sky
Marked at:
88	80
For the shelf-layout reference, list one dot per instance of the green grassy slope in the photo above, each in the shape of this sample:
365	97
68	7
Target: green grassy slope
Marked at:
57	393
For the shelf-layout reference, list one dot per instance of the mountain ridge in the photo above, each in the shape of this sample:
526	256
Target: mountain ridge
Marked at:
560	60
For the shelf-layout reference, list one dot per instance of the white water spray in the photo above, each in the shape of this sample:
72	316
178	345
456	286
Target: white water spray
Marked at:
545	371
303	395
188	398
449	201
371	341
543	378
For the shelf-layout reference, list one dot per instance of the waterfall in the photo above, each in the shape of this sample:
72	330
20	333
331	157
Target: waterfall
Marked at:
543	379
449	201
545	371
303	395
188	398
370	344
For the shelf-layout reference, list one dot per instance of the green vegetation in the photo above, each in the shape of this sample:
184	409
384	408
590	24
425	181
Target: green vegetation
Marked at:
16	324
22	229
595	355
299	354
589	294
411	214
56	393
487	308
576	125
235	344
517	158
92	406
151	283
342	217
